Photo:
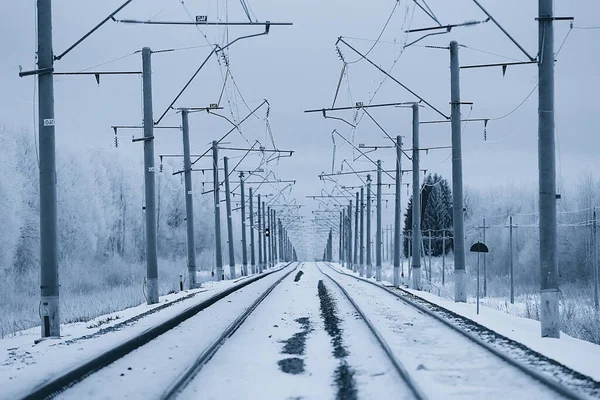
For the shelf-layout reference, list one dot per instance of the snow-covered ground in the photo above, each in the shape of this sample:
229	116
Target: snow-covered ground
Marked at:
25	364
148	371
579	355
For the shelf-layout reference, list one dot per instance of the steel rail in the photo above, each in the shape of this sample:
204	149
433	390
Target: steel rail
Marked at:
550	383
58	384
402	371
189	374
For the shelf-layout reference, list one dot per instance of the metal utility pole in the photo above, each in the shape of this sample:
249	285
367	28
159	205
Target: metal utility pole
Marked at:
49	284
595	248
265	227
484	262
378	234
149	181
271	233
443	257
429	250
398	212
189	200
460	278
260	238
369	264
218	251
244	250
252	255
549	315
350	266
356	212
362	231
416	204
512	281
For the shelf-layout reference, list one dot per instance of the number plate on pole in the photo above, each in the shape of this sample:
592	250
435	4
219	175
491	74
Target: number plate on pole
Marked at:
201	18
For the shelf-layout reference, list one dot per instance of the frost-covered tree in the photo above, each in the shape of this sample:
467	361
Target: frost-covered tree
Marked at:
436	214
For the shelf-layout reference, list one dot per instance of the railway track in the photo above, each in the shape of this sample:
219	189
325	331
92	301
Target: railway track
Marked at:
400	369
59	386
504	350
181	383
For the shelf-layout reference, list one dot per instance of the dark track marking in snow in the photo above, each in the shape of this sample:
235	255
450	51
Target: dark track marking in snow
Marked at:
292	365
297	343
298	276
344	375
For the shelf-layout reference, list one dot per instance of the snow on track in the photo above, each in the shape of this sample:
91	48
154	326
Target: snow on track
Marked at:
375	375
147	371
283	351
249	365
445	364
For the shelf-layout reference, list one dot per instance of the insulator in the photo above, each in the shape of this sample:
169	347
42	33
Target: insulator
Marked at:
116	142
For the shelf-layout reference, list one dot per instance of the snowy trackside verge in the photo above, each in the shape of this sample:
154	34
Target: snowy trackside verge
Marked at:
22	359
579	355
573	353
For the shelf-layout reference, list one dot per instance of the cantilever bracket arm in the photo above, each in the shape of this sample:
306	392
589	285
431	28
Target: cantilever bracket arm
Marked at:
214	51
340	39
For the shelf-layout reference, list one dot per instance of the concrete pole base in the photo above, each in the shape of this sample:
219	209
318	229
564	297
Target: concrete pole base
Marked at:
192	278
378	273
152	291
396	277
219	274
549	315
50	316
417	284
460	286
245	269
361	271
369	271
232	272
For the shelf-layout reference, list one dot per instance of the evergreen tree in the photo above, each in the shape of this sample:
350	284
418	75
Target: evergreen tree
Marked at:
436	214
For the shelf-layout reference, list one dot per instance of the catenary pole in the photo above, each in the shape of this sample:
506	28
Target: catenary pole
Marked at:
349	219
229	219
416	206
217	201
356	212
398	212
252	255
378	236
265	227
460	278
362	231
595	248
369	263
189	200
49	283
260	238
149	181
244	248
341	253
549	316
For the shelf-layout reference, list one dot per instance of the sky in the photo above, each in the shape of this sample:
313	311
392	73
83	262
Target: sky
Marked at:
298	68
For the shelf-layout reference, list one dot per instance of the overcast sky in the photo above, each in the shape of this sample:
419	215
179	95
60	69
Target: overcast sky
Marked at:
297	68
